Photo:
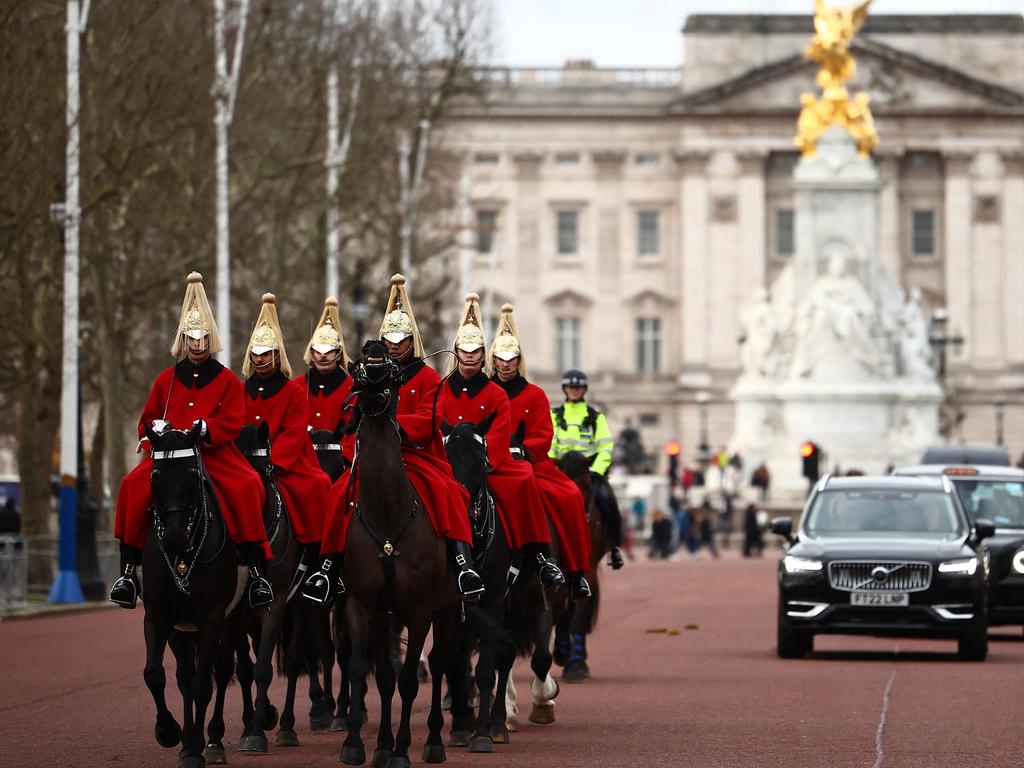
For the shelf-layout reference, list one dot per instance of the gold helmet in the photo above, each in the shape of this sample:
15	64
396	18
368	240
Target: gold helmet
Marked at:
470	335
506	341
267	336
327	335
399	320
196	319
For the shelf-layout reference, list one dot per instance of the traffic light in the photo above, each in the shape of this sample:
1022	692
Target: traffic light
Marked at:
809	454
673	448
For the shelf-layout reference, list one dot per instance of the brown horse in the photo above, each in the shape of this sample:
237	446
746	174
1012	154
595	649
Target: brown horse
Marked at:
394	565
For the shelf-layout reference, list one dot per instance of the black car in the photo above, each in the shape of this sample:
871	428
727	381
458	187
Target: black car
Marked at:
993	493
888	556
990	455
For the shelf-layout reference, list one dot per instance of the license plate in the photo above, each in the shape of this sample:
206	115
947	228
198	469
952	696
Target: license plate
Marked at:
876	599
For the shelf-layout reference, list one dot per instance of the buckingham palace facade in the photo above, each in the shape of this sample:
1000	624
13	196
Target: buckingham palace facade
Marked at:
629	215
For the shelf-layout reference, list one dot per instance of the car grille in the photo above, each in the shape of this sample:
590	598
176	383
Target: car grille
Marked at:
879	575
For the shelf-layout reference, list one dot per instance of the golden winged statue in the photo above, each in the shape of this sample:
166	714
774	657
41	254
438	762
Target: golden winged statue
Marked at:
834	29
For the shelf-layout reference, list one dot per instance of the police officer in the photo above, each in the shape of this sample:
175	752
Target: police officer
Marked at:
580	427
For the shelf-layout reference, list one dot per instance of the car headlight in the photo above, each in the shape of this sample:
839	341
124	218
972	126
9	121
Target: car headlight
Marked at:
1018	561
966	567
800	564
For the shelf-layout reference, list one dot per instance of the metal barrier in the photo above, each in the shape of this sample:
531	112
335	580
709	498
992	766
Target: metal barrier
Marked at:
13	572
39	556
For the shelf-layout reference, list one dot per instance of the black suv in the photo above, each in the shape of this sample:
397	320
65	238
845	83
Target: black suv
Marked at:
890	556
993	493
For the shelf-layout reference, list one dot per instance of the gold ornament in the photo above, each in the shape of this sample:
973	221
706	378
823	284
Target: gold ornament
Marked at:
399	320
196	320
388	549
267	336
182	568
506	344
470	335
327	335
830	47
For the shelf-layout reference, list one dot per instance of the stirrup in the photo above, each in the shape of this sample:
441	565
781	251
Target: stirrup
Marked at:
260	591
550	574
579	587
615	558
470	591
125	591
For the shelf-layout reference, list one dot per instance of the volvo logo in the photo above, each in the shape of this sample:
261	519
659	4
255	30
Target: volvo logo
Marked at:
879	574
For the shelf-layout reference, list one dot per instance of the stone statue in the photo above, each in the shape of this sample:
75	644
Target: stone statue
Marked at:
833	326
915	350
761	329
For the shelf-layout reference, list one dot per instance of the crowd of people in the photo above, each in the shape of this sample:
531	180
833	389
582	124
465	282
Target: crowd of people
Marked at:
688	528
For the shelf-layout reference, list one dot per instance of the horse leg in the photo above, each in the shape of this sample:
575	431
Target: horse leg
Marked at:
576	670
245	672
183	645
544	687
381	635
223	668
210	637
265	716
485	667
352	750
294	651
408	687
343	650
443	629
458	689
503	660
320	658
167	730
511	703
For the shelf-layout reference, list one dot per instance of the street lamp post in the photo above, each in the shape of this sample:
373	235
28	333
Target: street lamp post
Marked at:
1000	404
703	448
940	337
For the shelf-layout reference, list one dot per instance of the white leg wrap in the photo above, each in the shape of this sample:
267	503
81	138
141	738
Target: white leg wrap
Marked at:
544	691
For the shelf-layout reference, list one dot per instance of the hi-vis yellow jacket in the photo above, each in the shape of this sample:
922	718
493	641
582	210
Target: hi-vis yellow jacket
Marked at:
580	427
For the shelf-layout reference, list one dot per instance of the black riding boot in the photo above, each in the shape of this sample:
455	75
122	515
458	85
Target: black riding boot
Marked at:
611	517
470	585
325	584
251	554
547	569
579	587
125	591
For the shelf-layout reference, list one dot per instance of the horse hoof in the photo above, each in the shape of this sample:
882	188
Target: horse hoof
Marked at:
481	744
381	758
501	736
191	761
422	674
511	722
399	761
542	714
459	739
574	673
253	743
353	755
286	738
434	753
168	733
272	717
320	723
215	754
338	724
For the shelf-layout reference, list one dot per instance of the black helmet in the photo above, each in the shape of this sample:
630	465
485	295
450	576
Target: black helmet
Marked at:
574	378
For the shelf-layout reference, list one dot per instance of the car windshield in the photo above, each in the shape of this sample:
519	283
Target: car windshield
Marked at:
999	501
864	511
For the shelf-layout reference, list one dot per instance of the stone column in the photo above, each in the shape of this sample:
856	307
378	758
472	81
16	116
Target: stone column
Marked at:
693	289
889	251
608	321
531	315
957	218
751	266
1013	260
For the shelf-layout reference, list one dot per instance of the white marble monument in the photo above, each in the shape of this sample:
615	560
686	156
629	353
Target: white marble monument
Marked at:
836	352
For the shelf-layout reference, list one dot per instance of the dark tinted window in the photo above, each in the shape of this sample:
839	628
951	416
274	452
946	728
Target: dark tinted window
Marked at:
967	454
999	501
842	512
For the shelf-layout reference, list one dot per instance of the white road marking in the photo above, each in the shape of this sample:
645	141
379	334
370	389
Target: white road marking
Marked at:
879	732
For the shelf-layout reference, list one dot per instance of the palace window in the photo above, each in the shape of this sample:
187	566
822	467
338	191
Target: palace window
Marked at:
648	233
923	232
785	235
568	233
567	343
648	344
486	158
486	225
567	158
647	159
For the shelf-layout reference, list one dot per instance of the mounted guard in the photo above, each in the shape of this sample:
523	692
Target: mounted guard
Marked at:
197	390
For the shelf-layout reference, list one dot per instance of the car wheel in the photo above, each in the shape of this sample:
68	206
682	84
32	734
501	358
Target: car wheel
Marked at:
793	643
973	647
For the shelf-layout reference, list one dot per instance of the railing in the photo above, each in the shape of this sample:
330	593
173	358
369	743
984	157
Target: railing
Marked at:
37	555
587	77
13	572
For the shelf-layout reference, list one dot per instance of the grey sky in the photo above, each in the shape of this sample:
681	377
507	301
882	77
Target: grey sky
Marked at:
642	33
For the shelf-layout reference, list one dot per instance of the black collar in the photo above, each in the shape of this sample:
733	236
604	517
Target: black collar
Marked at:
200	375
512	387
410	369
472	386
258	387
324	384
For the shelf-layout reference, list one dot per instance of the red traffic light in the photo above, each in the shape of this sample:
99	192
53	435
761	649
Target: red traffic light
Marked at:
673	447
807	449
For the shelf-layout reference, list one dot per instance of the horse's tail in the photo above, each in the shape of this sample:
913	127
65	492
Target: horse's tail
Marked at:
292	630
488	629
594	601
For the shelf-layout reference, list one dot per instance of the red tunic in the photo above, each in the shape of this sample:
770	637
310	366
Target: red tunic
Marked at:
446	501
511	481
325	398
304	486
212	393
563	502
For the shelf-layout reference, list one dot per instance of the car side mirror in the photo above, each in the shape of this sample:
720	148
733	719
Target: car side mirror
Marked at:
782	526
984	529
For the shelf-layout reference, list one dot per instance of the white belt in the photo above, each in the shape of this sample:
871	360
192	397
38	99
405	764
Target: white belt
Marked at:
516	451
180	453
259	452
326	446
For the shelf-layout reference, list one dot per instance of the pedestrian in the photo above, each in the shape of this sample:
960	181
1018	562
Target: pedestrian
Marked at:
661	535
10	520
753	534
762	480
639	513
706	528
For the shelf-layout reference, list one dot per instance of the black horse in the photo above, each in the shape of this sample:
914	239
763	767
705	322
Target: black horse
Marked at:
191	580
571	633
394	564
466	446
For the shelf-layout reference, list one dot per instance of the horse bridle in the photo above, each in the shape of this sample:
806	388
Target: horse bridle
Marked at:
182	570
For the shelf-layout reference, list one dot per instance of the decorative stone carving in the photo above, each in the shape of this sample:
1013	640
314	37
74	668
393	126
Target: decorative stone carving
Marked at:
723	209
915	349
987	209
761	326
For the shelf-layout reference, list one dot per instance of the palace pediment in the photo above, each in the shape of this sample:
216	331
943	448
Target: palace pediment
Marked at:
897	81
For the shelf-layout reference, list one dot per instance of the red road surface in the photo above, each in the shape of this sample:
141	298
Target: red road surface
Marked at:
712	695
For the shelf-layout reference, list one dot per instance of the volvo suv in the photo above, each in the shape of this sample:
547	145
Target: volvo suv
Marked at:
885	556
